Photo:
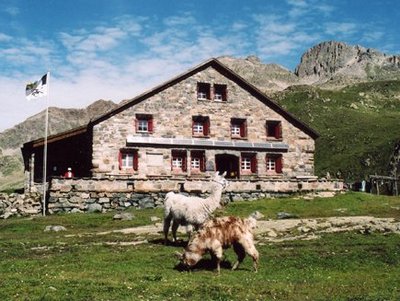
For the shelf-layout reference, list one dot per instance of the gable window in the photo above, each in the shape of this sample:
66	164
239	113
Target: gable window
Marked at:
274	163
178	160
128	159
219	92
238	128
197	161
274	129
200	126
203	91
144	123
248	163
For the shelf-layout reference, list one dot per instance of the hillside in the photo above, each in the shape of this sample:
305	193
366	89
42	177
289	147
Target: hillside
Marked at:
358	124
349	94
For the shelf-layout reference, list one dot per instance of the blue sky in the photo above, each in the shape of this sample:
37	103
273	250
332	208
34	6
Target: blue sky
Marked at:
114	50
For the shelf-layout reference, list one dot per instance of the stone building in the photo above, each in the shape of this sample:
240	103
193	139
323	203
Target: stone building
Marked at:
205	120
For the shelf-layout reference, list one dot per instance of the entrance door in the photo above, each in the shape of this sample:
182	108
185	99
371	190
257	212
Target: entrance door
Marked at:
228	163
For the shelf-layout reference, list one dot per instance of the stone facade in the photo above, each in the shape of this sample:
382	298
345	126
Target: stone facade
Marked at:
172	110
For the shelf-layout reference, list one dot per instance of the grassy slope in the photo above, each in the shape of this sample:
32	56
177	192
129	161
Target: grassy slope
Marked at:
37	265
359	126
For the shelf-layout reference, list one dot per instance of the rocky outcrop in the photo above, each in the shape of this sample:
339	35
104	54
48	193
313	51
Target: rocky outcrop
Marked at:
266	77
342	63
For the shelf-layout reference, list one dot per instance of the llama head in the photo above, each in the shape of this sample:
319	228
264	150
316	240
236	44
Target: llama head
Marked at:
188	259
221	179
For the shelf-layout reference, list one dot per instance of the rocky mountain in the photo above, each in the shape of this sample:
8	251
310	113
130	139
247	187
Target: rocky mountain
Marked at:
347	93
329	65
340	63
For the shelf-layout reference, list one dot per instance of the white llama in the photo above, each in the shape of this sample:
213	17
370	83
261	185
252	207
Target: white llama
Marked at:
192	211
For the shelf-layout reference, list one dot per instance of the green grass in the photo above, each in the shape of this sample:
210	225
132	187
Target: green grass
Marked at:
79	265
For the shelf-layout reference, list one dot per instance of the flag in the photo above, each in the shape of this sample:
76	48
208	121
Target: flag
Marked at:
37	89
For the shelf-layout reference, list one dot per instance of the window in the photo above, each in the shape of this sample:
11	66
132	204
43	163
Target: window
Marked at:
274	163
219	92
238	128
144	123
203	91
248	163
128	159
178	161
274	129
197	161
200	126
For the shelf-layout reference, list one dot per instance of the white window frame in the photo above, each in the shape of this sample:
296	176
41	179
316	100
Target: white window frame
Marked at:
195	163
198	128
245	163
127	160
201	95
177	162
143	125
235	130
271	164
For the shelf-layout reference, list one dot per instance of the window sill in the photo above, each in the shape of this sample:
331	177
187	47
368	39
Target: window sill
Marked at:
239	138
200	136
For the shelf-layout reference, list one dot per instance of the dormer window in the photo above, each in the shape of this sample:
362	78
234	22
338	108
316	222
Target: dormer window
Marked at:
203	91
144	123
219	92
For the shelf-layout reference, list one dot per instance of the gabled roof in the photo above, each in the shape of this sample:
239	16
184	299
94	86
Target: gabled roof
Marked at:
216	64
223	69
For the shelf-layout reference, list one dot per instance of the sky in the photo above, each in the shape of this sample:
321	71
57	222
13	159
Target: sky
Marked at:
116	50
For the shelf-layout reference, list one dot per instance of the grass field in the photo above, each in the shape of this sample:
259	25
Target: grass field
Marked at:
81	264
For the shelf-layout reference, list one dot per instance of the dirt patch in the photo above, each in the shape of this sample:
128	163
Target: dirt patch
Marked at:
290	229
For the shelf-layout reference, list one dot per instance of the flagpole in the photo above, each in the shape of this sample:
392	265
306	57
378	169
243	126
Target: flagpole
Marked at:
45	146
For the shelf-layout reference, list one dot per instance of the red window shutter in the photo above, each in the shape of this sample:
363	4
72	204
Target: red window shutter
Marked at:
278	164
254	164
184	161
120	160
206	127
243	129
150	125
278	130
193	126
135	160
203	162
225	94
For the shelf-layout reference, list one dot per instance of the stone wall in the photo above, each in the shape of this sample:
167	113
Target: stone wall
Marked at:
101	195
82	195
20	204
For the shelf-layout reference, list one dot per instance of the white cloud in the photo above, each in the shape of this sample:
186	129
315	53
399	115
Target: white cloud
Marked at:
12	10
339	29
